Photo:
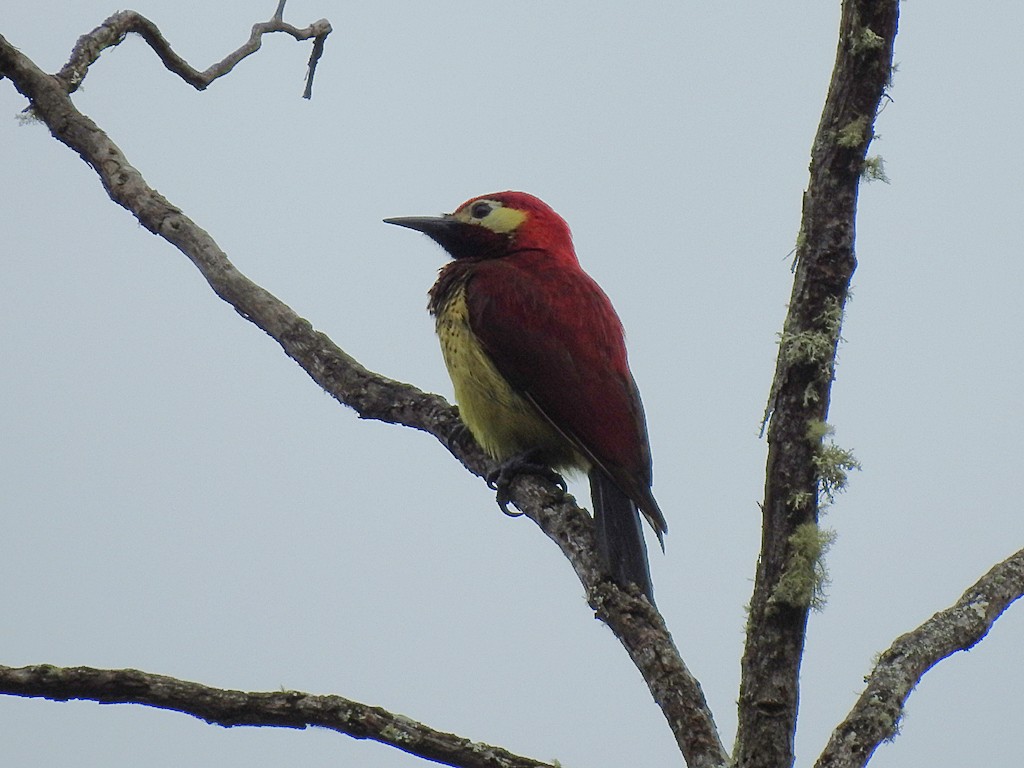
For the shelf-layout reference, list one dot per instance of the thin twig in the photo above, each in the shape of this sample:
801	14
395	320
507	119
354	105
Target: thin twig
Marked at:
112	31
876	715
282	709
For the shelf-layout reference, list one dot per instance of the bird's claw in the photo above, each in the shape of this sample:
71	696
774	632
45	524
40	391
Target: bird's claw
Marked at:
458	435
500	480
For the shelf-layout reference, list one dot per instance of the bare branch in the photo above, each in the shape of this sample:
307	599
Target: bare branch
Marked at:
112	31
282	709
799	399
371	395
636	623
875	716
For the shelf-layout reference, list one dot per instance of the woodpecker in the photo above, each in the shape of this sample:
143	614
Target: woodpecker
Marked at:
537	356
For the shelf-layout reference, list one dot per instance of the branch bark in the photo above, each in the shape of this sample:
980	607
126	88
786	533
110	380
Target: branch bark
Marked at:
282	709
633	620
776	628
876	715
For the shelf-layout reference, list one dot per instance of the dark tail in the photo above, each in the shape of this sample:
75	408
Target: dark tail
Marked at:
620	539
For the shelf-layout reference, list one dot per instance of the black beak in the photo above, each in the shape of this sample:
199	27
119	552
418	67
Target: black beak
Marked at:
436	227
461	239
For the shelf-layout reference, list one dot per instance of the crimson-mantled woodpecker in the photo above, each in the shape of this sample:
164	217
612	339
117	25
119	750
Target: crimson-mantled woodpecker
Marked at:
538	359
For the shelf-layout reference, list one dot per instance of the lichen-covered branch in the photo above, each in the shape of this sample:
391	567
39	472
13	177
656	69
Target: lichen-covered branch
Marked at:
875	716
112	31
636	623
799	399
282	709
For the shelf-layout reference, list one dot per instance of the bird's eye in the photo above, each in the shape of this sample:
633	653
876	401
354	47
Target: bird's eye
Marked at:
480	209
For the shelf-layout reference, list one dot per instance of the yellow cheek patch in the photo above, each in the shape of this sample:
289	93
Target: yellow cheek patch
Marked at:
500	220
503	220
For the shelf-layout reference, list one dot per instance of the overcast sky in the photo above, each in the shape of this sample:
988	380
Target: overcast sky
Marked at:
179	497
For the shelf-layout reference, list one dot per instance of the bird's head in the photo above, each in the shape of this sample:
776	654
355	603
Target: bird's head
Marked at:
496	225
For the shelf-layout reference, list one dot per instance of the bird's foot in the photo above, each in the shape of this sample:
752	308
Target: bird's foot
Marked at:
458	436
529	463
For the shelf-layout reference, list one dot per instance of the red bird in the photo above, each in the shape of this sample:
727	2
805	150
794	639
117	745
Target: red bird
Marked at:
538	360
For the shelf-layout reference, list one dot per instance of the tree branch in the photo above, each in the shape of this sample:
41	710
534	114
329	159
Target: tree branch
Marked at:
634	621
369	394
112	31
283	709
875	717
769	689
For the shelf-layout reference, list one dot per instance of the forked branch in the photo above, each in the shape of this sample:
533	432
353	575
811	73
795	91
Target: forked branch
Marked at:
112	31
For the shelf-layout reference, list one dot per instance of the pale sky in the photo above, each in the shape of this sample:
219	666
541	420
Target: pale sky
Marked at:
179	497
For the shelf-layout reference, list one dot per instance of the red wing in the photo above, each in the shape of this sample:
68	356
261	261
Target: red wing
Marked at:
553	334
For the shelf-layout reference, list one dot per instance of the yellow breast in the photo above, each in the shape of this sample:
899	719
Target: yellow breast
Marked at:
504	422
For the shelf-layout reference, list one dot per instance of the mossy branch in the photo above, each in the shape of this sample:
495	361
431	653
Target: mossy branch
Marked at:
800	473
805	580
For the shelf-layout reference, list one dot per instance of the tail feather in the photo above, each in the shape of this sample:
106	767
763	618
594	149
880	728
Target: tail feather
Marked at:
620	537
